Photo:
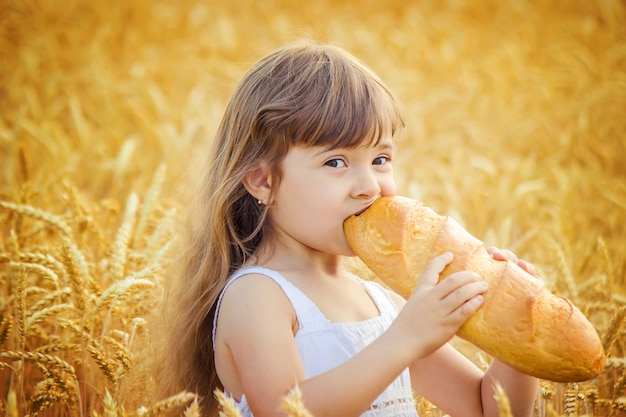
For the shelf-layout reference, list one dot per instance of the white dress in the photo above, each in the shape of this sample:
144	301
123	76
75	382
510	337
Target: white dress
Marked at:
324	345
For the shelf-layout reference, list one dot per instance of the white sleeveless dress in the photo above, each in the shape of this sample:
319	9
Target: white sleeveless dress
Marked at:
324	345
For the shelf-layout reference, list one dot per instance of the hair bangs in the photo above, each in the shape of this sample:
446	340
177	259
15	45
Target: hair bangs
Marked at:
342	104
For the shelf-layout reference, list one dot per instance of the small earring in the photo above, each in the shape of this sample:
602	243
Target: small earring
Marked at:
259	202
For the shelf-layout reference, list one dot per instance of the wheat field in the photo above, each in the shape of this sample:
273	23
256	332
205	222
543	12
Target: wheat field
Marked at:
516	126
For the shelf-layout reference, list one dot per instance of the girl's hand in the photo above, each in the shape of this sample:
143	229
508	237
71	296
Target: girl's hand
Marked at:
435	311
507	255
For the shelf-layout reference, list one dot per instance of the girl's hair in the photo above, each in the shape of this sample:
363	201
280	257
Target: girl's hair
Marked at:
302	94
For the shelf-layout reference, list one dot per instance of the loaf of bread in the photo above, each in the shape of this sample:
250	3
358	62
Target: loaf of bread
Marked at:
520	322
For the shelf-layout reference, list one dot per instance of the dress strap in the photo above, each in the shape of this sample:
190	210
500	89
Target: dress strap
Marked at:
306	311
382	299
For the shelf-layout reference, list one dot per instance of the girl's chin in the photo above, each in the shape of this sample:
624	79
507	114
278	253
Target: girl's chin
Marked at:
348	252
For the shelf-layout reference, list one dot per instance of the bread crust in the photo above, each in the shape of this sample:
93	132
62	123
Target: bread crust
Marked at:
520	322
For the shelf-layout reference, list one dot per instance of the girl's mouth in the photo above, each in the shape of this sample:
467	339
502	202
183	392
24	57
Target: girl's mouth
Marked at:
358	213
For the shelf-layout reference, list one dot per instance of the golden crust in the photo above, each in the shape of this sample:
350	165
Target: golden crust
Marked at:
521	322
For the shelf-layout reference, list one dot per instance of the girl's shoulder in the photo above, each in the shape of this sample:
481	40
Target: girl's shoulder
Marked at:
252	286
250	283
249	302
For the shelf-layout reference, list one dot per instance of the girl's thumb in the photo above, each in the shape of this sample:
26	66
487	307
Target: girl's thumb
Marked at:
435	266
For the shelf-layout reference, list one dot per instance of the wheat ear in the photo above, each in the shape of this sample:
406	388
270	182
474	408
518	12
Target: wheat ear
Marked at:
107	366
40	270
571	399
149	201
11	404
619	405
566	271
166	405
293	405
20	313
38	214
49	361
226	405
74	275
193	410
117	290
5	328
161	233
110	407
123	236
504	406
615	327
40	315
49	300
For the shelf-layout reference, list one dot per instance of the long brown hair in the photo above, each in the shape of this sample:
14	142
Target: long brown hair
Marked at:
302	94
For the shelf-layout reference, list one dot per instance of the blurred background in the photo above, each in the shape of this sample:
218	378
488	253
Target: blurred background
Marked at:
515	125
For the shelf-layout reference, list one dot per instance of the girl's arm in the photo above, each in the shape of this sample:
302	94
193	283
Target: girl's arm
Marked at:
259	339
458	387
257	354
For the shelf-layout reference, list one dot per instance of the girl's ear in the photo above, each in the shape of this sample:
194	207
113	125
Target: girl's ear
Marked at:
258	183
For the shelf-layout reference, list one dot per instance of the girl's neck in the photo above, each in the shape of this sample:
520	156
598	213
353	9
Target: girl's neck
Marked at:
296	257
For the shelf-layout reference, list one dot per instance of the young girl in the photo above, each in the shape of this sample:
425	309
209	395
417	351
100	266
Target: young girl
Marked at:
261	302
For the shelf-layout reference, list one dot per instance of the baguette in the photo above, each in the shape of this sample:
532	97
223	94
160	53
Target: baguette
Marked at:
520	322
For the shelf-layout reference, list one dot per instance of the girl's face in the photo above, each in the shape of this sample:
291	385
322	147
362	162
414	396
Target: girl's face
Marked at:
322	187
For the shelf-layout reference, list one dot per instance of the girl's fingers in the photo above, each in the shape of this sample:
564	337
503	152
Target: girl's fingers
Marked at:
460	283
465	310
502	254
466	286
430	275
527	267
507	255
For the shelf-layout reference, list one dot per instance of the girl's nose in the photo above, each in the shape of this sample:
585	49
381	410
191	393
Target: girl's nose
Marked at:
367	184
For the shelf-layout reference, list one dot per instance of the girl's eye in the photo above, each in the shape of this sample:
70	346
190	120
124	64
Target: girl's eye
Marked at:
335	163
381	160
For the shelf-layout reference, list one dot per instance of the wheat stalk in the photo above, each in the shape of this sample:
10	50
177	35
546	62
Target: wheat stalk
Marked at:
48	300
122	238
108	367
616	325
619	405
40	270
117	290
161	233
608	263
49	361
293	405
149	201
121	354
42	259
74	275
424	407
613	362
5	328
590	393
20	313
45	313
38	214
226	405
193	410
619	385
565	270
545	394
11	404
502	399
167	405
43	401
83	216
57	347
110	406
571	400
